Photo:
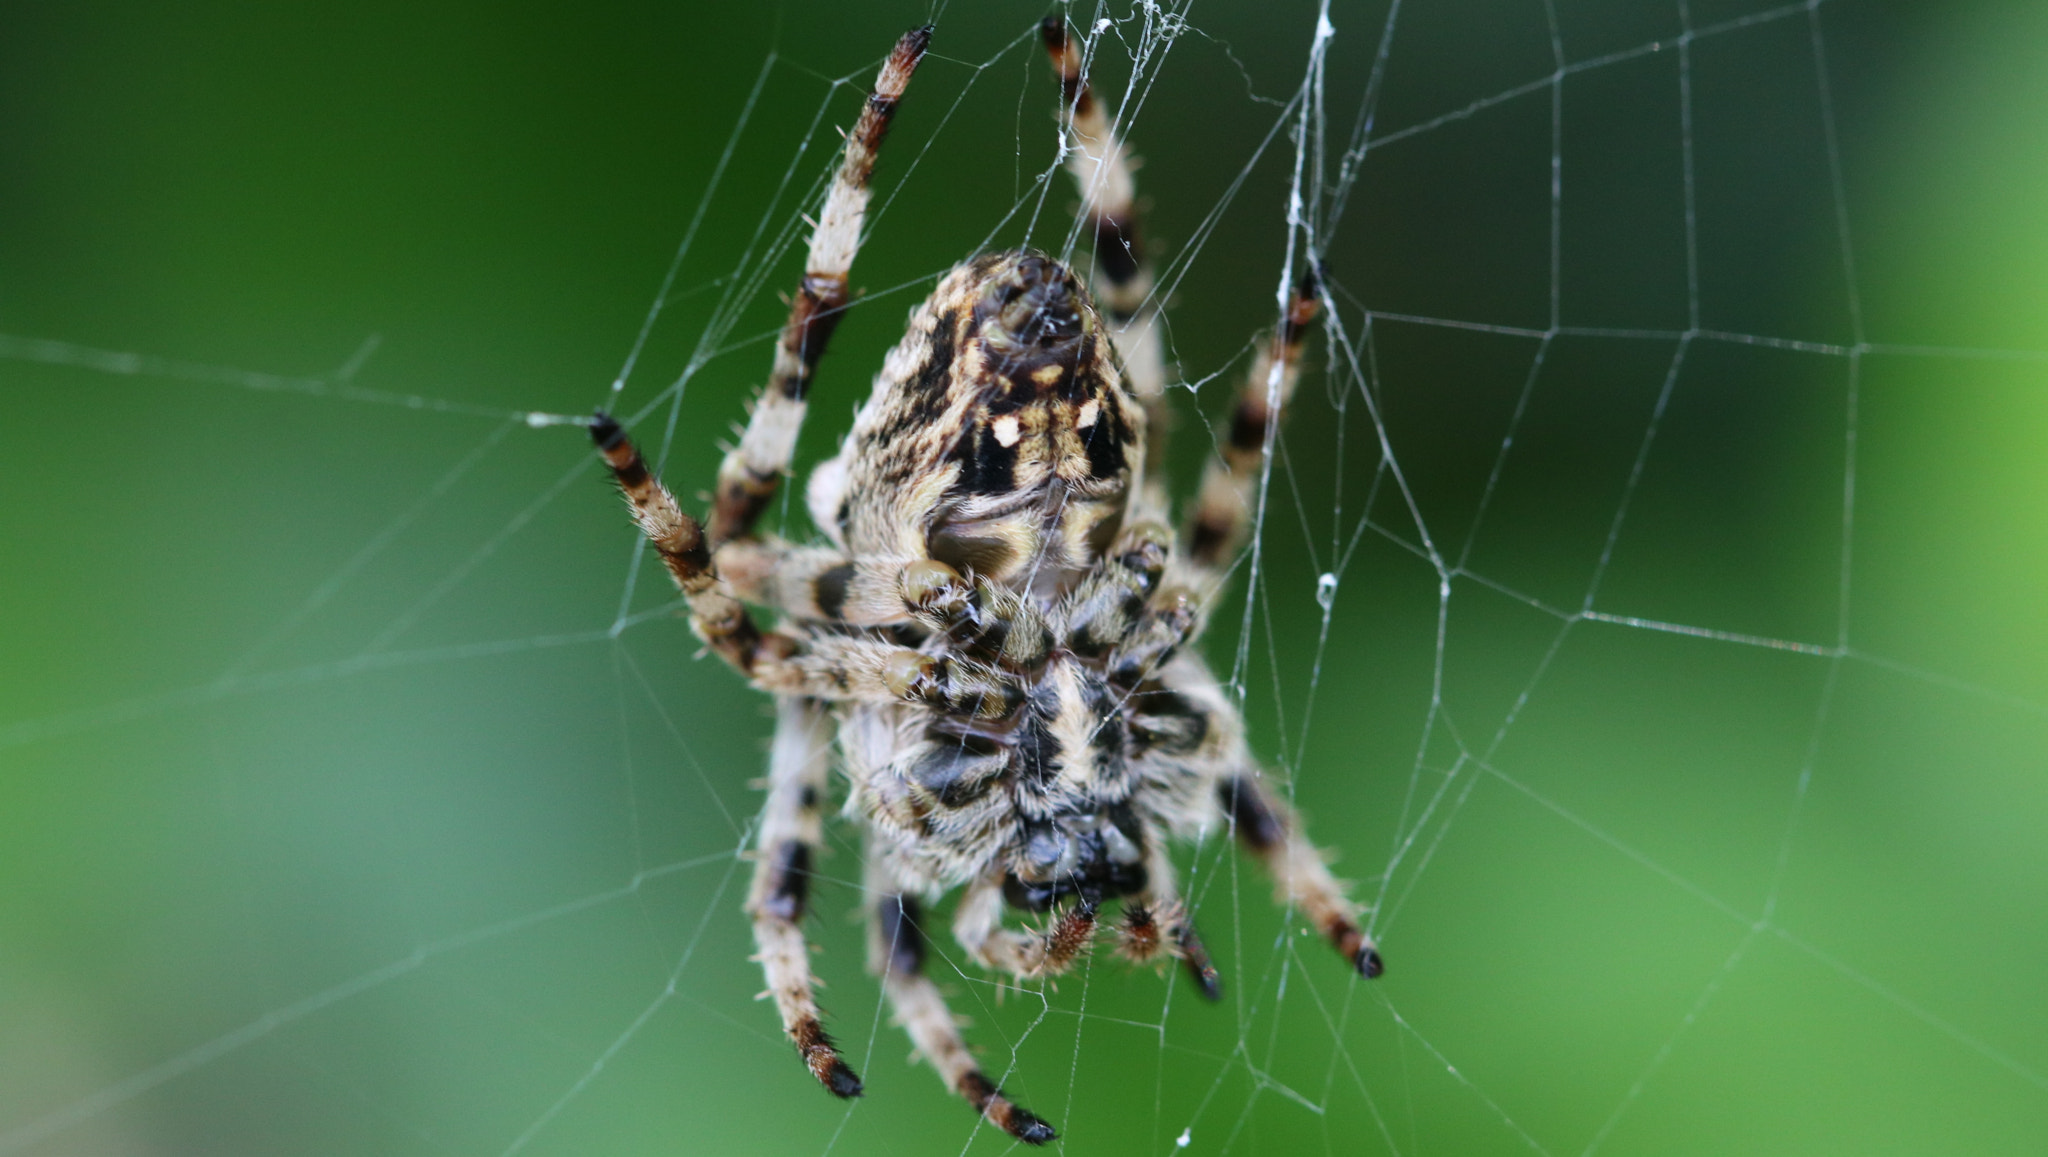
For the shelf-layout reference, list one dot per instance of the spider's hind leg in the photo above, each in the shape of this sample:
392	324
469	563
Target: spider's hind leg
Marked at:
1268	827
786	844
896	953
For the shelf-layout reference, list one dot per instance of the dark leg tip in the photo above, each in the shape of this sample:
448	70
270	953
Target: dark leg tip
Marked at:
605	431
843	1082
1369	963
1312	277
1201	969
1026	1127
1054	30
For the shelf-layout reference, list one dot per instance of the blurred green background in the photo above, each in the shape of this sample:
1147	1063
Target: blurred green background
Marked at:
335	818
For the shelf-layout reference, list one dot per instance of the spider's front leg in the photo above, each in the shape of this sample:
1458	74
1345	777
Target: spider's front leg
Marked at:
896	953
715	614
751	473
785	845
987	619
990	621
828	667
815	582
1121	612
1103	169
1223	509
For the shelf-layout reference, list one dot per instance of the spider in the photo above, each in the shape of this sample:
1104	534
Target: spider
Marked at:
996	635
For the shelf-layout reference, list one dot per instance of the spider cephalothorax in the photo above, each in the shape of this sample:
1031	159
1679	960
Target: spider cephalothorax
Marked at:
992	644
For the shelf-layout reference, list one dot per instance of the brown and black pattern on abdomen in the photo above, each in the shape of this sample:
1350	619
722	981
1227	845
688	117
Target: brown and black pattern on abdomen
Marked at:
928	394
1109	440
1021	378
987	467
916	406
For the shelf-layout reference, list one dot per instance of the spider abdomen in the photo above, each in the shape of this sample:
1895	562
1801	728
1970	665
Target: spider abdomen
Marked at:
999	436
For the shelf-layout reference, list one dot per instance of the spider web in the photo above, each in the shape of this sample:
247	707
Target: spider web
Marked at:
1644	600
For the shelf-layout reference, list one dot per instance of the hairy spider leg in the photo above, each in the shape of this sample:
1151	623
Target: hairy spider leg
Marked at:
837	668
1122	276
785	846
1222	515
817	582
821	582
751	472
896	953
1109	602
718	617
1270	829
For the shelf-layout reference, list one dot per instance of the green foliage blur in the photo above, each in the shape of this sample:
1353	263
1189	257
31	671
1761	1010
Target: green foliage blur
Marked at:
335	816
